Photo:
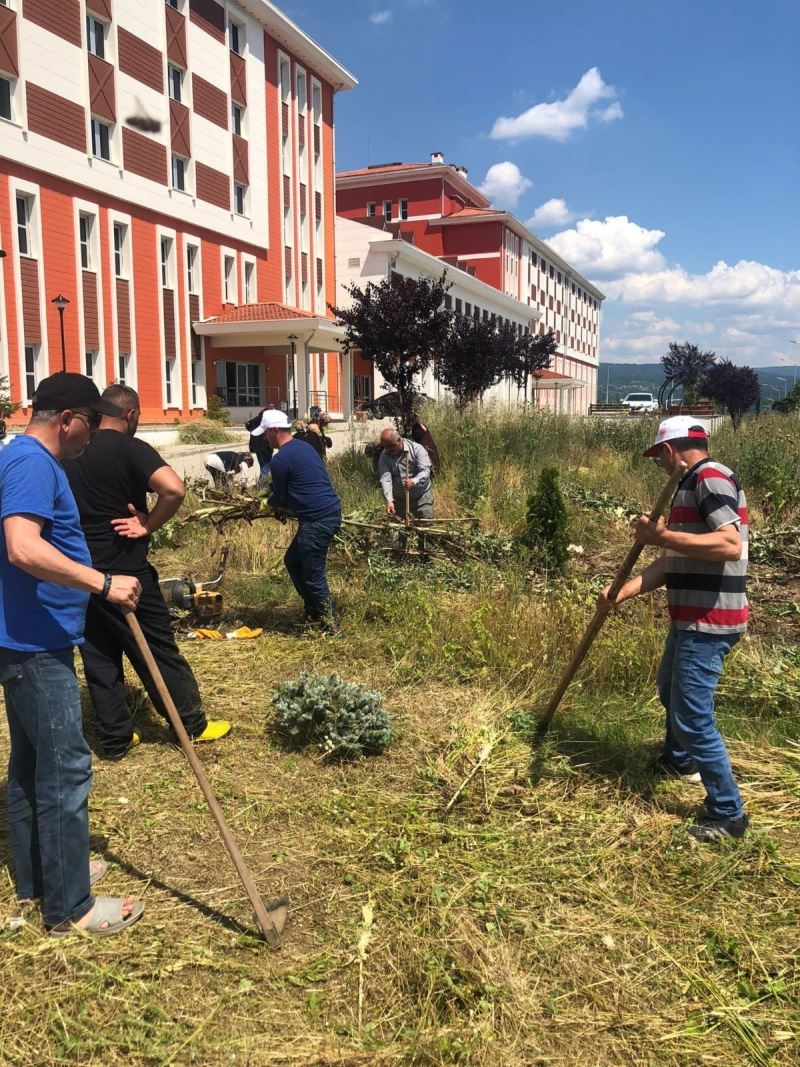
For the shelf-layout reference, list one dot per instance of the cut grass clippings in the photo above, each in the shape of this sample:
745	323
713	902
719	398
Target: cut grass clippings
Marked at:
463	898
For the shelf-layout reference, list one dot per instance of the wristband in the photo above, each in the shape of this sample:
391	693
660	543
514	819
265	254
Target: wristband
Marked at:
106	586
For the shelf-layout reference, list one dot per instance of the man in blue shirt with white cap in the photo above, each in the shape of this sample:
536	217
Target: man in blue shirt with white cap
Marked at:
301	486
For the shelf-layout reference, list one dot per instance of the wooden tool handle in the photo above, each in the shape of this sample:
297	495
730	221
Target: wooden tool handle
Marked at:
601	614
267	927
408	497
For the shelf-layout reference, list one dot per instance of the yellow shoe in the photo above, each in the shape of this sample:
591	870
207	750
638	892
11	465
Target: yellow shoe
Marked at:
215	729
135	740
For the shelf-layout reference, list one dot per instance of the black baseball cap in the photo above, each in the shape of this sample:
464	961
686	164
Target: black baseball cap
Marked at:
64	391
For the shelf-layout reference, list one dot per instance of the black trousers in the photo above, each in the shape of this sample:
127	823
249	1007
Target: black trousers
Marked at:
107	637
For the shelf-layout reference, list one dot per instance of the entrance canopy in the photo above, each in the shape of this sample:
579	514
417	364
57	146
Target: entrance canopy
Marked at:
271	325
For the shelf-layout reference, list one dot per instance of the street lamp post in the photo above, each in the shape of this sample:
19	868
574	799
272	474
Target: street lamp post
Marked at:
61	303
293	342
792	363
784	380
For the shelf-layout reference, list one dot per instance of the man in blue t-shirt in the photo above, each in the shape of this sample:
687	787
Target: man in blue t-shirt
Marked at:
301	486
46	578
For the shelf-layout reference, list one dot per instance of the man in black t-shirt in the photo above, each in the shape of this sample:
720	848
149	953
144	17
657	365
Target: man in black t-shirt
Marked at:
110	481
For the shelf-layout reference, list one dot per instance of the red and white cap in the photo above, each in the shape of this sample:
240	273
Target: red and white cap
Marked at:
677	428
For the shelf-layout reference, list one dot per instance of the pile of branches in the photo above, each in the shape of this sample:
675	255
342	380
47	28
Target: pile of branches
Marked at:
362	533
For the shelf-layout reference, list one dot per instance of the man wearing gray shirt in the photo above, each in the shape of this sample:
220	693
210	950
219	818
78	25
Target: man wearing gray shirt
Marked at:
404	464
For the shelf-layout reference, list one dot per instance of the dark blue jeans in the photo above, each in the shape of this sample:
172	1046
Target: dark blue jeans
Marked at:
49	774
687	680
306	561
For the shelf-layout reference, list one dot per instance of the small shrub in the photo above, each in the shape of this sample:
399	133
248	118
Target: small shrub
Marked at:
216	410
546	523
202	432
341	719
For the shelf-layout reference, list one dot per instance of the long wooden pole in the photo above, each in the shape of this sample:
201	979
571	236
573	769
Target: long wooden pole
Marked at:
408	497
269	929
601	613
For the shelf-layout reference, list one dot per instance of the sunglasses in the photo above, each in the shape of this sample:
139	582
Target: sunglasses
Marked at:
93	418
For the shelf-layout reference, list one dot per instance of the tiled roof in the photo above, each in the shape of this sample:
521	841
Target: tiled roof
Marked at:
270	312
465	212
550	375
381	169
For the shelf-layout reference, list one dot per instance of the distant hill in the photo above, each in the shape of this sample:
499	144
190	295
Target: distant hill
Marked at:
622	378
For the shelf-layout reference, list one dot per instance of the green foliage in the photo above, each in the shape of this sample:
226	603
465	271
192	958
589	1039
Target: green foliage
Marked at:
471	359
471	469
203	432
788	403
546	523
341	719
766	462
7	405
216	410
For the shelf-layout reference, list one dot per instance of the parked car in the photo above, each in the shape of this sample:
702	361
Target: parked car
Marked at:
640	402
388	405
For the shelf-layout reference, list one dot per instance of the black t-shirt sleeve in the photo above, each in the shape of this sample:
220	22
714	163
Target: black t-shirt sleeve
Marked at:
144	460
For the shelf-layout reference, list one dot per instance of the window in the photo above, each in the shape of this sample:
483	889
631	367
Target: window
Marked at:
229	277
5	98
24	226
176	4
120	250
403	209
191	268
179	173
240	198
169	366
31	353
370	211
175	83
96	37
91	365
387	210
123	367
85	231
237	113
101	139
166	262
249	283
235	37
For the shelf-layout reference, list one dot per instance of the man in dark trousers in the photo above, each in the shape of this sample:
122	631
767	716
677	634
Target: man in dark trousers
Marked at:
46	579
110	481
301	486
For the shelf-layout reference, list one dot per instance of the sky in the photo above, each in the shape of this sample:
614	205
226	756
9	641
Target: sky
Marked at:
654	145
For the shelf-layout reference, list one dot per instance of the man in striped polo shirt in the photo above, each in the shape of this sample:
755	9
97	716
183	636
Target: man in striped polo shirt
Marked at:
704	568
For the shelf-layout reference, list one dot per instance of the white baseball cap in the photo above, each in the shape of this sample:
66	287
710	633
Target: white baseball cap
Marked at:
677	428
272	420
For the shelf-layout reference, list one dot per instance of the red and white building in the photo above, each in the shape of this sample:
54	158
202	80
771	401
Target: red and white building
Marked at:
436	209
168	169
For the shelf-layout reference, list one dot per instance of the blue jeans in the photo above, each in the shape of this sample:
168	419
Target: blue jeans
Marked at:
49	774
688	674
306	561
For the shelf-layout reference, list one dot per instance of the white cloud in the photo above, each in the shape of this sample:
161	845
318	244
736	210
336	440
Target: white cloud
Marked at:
746	284
504	184
380	18
560	118
649	322
553	212
613	245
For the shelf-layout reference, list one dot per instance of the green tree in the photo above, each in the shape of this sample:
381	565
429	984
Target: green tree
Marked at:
546	523
400	325
686	365
733	389
7	405
791	402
